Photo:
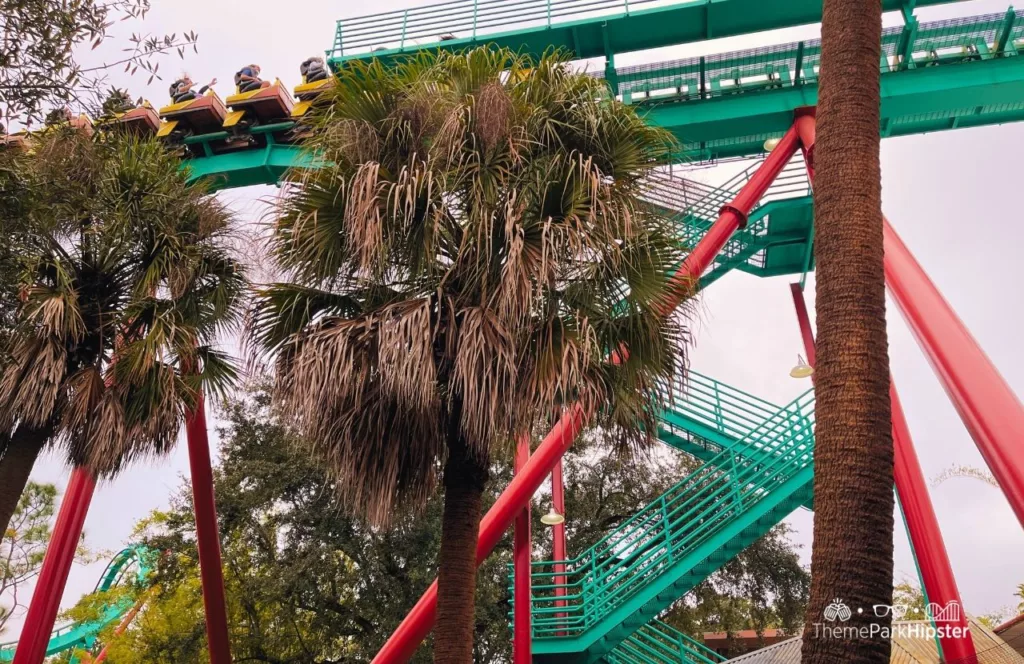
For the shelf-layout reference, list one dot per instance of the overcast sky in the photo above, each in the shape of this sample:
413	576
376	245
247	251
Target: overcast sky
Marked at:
949	195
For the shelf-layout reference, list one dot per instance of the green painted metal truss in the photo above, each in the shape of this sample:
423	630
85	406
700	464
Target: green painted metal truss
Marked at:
130	565
587	28
935	76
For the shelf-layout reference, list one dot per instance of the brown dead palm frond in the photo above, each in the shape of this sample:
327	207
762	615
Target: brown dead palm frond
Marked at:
472	253
126	281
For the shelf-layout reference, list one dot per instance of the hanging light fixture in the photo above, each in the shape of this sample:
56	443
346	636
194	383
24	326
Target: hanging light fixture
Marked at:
802	369
771	144
552	518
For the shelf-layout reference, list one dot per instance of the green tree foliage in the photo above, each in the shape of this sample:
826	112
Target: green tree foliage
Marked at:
23	546
908	594
38	63
309	583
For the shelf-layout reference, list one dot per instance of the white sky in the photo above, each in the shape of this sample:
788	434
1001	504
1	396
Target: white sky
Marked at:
948	195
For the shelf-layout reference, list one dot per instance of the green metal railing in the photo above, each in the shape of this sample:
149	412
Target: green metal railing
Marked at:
787	65
712	409
697	206
467	19
665	534
658	643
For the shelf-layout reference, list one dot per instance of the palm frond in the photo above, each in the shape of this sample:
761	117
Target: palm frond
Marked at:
469	252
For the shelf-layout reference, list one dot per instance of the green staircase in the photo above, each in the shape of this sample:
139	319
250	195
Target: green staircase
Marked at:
658	643
608	592
776	239
708	416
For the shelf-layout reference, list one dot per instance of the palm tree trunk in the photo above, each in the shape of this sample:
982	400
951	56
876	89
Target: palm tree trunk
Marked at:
853	479
465	476
15	467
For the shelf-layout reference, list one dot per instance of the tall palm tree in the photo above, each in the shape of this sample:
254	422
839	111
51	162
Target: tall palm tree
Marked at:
853	474
471	250
125	282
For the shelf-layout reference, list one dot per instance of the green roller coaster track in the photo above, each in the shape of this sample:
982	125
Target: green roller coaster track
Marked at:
935	76
129	565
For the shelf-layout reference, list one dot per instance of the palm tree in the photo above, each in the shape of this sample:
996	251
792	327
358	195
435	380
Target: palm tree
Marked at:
125	281
853	477
471	250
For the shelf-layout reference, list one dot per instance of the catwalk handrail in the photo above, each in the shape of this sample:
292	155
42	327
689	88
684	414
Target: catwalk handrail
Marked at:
657	643
465	18
916	45
659	535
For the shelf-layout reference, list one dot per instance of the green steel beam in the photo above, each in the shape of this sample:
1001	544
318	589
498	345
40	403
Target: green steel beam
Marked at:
918	100
243	168
584	28
914	101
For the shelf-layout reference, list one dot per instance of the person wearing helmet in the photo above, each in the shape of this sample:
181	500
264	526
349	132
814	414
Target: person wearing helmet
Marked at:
313	69
181	90
248	79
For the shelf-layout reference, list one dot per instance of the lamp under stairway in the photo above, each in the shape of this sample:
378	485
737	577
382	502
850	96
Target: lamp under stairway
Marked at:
552	518
802	369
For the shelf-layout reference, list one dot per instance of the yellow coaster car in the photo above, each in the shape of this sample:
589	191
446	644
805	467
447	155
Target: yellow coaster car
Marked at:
143	120
263	106
307	94
202	115
24	140
17	141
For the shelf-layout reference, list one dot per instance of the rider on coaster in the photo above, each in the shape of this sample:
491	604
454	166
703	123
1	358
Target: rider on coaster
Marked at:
181	90
248	79
313	69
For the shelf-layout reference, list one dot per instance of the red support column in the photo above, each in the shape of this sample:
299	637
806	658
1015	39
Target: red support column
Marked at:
208	537
53	576
923	526
988	407
522	547
122	626
420	620
558	534
926	538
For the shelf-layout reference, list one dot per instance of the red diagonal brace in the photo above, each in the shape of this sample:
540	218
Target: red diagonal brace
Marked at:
923	526
53	576
988	407
411	632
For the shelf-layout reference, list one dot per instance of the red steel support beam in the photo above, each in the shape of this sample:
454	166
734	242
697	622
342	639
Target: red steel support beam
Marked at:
208	537
420	620
922	524
988	407
558	533
522	635
129	617
53	576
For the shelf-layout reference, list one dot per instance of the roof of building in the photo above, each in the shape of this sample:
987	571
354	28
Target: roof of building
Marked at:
1012	631
744	634
910	646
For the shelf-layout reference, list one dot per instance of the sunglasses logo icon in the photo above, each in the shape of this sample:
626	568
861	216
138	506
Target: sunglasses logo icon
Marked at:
897	611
